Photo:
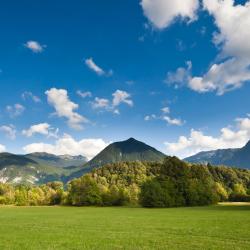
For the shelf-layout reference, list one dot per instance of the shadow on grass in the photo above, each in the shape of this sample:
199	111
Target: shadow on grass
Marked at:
231	207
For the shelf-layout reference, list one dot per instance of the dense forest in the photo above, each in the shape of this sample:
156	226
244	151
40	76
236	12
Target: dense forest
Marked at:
172	183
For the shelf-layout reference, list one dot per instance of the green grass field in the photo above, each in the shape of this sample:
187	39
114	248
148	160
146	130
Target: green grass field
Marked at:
216	227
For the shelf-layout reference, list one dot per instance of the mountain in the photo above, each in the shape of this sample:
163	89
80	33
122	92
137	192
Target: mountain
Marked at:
37	168
124	151
129	150
11	159
239	157
63	161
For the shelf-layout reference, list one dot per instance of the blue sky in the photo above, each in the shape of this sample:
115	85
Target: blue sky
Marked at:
78	75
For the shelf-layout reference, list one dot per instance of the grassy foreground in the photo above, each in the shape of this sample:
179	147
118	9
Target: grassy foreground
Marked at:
216	227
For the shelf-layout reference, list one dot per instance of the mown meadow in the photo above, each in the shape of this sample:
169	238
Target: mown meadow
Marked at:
59	227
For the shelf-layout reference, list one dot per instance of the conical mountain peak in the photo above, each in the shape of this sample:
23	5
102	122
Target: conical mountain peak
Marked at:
128	150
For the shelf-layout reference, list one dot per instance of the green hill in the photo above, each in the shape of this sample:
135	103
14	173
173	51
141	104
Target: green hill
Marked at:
129	150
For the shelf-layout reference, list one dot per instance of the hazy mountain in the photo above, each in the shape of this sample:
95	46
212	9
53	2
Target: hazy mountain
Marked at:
7	159
239	157
63	161
37	167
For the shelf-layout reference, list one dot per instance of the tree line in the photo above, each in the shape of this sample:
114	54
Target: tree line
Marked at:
172	183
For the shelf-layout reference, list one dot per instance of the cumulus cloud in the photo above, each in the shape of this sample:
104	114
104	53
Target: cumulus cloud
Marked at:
197	141
233	68
119	97
41	128
161	13
84	94
15	110
172	121
2	148
64	107
100	103
28	94
68	145
35	46
97	69
9	130
164	117
181	76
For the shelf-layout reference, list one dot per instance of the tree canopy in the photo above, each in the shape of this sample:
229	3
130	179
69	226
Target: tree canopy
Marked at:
171	183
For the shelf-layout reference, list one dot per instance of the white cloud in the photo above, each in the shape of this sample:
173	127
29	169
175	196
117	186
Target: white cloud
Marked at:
2	148
120	96
15	110
150	117
35	46
233	67
68	145
64	107
165	110
164	117
41	128
223	77
197	141
117	112
173	121
161	13
84	94
28	94
9	130
181	76
97	69
230	18
100	103
220	77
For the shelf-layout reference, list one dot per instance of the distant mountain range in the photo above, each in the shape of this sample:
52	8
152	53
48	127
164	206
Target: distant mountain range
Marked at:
37	167
239	157
64	161
43	167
